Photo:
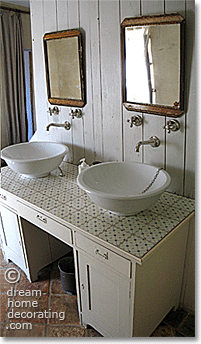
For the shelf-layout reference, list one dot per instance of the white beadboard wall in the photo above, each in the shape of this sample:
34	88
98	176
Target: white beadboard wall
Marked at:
103	132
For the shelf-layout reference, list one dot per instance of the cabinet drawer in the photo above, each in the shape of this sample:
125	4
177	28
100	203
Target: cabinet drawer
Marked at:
103	254
7	198
44	222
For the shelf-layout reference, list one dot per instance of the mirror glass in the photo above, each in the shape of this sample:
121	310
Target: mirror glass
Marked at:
64	72
152	58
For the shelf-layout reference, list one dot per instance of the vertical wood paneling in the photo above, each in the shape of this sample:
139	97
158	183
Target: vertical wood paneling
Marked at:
38	66
64	136
77	123
175	142
111	75
190	91
62	15
130	135
50	24
88	113
103	133
153	125
96	87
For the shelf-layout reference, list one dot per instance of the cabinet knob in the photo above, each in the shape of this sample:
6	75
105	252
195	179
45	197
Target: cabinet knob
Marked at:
82	285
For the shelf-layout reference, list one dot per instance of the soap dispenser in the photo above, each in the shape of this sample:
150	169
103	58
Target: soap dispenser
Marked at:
82	165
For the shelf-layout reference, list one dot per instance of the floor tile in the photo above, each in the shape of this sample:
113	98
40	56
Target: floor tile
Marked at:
164	330
55	282
29	308
174	318
64	310
25	330
4	307
5	286
93	333
66	331
2	326
187	328
42	285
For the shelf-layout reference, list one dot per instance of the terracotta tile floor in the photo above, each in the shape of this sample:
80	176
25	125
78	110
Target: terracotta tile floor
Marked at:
45	304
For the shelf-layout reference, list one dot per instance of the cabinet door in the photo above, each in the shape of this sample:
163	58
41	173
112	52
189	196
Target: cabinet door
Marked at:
105	297
11	237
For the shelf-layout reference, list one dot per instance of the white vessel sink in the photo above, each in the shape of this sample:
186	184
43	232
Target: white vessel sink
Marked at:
118	186
34	159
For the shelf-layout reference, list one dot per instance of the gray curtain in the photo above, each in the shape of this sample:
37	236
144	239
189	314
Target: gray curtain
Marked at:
13	92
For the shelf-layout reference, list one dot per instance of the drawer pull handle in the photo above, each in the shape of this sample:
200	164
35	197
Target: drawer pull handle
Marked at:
41	218
3	197
103	255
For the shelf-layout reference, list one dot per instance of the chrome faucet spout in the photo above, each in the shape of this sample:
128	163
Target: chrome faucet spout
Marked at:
153	141
65	125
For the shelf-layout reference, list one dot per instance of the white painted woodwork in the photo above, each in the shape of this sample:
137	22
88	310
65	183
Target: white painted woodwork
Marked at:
41	248
118	294
11	237
103	133
46	223
37	248
158	281
154	287
102	254
190	90
187	297
27	245
105	297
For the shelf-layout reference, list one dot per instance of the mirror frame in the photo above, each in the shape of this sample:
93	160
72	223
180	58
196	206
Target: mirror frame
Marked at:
59	35
156	109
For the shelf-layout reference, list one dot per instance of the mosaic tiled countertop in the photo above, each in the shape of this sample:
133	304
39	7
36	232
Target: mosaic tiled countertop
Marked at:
62	197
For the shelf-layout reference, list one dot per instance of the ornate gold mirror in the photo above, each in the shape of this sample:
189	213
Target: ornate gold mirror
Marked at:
153	64
64	72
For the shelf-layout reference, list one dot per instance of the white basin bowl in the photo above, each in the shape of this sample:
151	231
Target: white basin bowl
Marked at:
117	186
34	159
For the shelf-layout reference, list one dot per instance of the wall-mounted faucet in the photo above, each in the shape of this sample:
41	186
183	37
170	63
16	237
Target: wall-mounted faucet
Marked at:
65	125
153	141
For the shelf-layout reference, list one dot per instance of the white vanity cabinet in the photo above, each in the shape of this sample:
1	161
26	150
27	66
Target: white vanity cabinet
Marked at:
105	289
25	242
125	287
12	241
129	297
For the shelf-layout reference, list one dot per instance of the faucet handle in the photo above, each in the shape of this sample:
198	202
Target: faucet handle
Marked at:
172	125
135	120
54	111
76	113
